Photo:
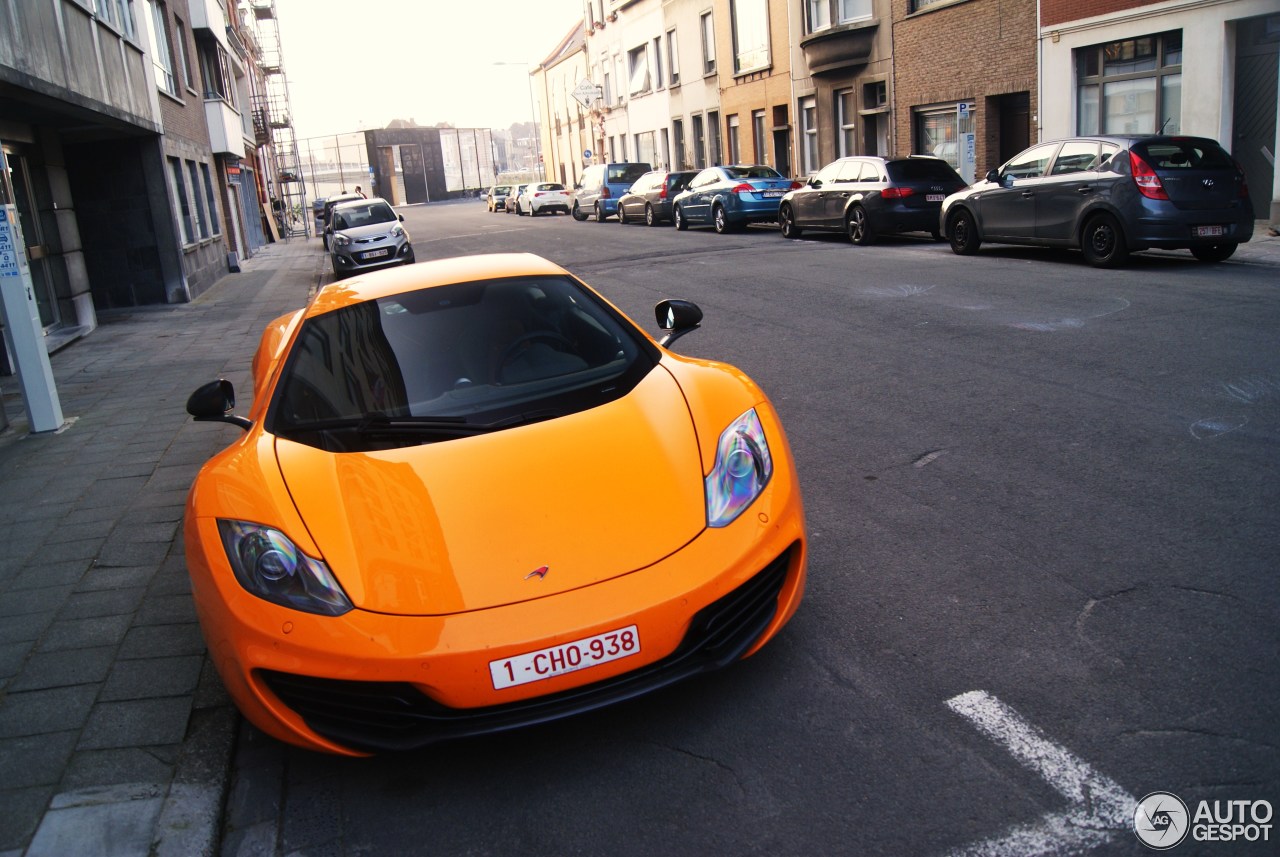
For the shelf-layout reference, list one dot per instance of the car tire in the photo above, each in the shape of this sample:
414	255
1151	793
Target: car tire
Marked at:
677	217
622	214
650	219
1213	252
577	213
962	233
787	222
601	217
858	228
721	220
1103	242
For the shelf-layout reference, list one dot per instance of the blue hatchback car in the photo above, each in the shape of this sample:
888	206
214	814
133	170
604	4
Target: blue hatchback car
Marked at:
729	198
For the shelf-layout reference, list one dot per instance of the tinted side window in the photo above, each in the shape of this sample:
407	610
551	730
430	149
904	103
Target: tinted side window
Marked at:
1076	157
830	172
921	170
1187	153
1031	163
870	172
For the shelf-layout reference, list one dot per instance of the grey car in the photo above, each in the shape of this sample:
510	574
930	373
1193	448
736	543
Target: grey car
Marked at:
367	235
1108	195
649	199
497	197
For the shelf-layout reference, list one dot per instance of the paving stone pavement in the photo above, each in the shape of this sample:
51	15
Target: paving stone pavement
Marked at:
115	733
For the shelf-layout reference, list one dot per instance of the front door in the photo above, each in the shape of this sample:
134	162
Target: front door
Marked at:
1254	115
16	170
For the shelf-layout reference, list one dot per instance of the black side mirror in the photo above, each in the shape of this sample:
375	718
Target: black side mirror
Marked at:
214	402
815	183
402	218
677	318
993	176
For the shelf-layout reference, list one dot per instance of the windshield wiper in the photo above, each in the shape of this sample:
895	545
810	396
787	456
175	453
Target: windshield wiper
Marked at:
377	423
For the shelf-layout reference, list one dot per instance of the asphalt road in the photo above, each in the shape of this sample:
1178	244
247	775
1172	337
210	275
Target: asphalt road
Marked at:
1043	510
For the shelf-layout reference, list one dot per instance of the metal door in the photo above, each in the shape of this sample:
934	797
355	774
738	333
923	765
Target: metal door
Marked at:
1254	115
17	175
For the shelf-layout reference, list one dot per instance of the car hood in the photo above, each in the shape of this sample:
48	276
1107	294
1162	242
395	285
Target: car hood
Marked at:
370	231
509	516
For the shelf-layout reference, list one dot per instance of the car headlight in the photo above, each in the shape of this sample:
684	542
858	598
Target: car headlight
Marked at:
742	469
271	567
397	231
340	240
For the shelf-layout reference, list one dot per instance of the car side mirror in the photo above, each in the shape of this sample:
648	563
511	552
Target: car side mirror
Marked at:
677	318
815	183
993	176
214	402
402	218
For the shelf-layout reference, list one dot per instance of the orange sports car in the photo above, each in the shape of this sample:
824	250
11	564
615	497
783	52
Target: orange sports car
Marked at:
472	495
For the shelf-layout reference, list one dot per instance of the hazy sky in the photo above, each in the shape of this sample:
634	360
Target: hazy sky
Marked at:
355	64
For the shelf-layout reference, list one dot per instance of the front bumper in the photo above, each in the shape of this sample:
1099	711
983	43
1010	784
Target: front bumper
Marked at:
345	261
363	681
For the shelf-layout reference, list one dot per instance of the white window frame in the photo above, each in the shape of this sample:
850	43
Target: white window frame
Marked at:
808	115
846	113
162	53
750	26
707	27
673	57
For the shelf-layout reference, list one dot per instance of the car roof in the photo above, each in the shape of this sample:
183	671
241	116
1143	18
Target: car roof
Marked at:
351	203
426	275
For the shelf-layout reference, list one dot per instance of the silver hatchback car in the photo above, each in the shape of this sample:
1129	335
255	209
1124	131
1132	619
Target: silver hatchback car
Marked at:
1108	195
368	234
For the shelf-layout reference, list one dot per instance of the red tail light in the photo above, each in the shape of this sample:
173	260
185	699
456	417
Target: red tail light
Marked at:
1149	184
604	192
744	188
662	194
796	185
896	192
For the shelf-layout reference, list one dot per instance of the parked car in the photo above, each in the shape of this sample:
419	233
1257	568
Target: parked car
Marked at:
398	422
541	197
649	199
327	213
513	197
602	186
367	234
731	197
865	197
497	198
1108	195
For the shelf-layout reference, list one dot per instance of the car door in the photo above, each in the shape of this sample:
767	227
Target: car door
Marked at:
836	196
697	206
1008	209
1070	186
808	204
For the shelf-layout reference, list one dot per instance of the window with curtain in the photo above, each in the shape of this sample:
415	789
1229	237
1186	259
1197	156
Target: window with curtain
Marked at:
750	19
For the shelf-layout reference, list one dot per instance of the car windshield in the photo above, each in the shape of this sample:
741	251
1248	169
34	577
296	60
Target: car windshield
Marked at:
1184	153
550	186
354	216
445	362
921	170
752	173
626	173
502	188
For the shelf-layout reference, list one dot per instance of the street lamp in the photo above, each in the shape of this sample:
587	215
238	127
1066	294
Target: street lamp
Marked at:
533	114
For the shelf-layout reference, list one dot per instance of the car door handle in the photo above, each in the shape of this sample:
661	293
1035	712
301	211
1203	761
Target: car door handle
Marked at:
1027	194
1085	189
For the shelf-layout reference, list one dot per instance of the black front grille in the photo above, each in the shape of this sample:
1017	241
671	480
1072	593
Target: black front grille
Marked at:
382	716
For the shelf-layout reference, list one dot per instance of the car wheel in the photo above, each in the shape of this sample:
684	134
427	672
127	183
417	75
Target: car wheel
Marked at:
650	219
601	217
1213	252
677	216
622	214
962	232
857	227
577	213
1103	242
720	219
787	222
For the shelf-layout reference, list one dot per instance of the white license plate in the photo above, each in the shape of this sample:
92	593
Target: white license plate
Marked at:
1210	231
565	658
373	254
773	193
935	197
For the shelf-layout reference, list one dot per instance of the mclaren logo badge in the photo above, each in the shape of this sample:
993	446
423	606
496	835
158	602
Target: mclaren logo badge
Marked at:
538	573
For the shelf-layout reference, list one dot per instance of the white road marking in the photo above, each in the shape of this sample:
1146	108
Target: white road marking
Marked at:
1100	806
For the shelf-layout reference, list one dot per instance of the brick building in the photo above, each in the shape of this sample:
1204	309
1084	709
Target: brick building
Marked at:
965	80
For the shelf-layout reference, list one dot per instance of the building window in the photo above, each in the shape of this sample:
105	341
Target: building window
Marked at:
184	202
208	195
938	134
201	216
809	135
119	14
846	110
759	142
213	68
163	57
713	129
699	144
917	5
731	138
608	88
681	161
638	69
666	150
750	20
180	42
657	63
708	44
1132	86
645	151
673	57
819	14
